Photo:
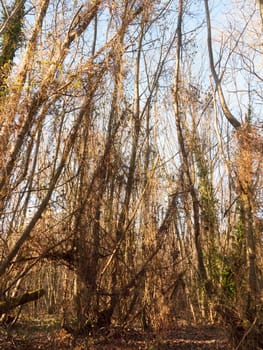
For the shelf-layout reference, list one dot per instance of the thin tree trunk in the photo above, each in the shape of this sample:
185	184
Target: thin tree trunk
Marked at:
186	167
260	2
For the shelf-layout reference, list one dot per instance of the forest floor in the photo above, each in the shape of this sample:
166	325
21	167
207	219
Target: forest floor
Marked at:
48	336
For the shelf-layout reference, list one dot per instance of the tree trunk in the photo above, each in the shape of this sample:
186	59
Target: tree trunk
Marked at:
186	168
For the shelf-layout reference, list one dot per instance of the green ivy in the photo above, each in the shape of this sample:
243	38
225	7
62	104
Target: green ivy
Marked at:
12	35
10	42
228	284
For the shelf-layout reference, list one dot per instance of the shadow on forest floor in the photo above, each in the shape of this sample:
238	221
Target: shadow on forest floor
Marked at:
49	336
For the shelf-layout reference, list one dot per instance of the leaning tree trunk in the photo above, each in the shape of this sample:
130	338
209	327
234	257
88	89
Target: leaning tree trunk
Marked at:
11	303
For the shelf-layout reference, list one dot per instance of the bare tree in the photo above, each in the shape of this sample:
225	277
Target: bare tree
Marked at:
245	175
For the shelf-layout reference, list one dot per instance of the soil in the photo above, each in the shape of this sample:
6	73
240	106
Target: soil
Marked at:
37	336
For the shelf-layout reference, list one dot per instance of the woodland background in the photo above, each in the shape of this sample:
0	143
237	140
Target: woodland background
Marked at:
131	163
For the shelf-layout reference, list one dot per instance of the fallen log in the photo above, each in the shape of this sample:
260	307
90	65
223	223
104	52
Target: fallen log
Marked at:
11	303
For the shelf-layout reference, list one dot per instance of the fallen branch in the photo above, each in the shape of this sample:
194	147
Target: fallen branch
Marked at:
25	298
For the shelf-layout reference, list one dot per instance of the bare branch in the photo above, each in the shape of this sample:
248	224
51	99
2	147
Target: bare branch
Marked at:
230	117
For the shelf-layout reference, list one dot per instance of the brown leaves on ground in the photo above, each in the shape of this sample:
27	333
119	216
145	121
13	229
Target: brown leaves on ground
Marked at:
25	337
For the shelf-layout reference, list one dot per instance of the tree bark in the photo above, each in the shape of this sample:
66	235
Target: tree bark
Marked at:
260	2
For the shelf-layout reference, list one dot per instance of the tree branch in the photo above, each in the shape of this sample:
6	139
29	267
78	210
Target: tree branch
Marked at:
25	298
230	117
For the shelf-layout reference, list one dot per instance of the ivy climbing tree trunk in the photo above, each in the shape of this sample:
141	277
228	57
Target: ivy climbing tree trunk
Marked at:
246	157
11	32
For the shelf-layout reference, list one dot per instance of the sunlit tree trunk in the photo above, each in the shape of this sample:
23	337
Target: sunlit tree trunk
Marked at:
260	2
186	168
244	166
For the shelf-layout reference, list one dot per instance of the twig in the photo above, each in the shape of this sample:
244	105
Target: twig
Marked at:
247	333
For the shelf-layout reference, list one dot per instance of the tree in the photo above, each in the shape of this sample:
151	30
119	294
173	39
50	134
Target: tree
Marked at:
245	187
11	31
